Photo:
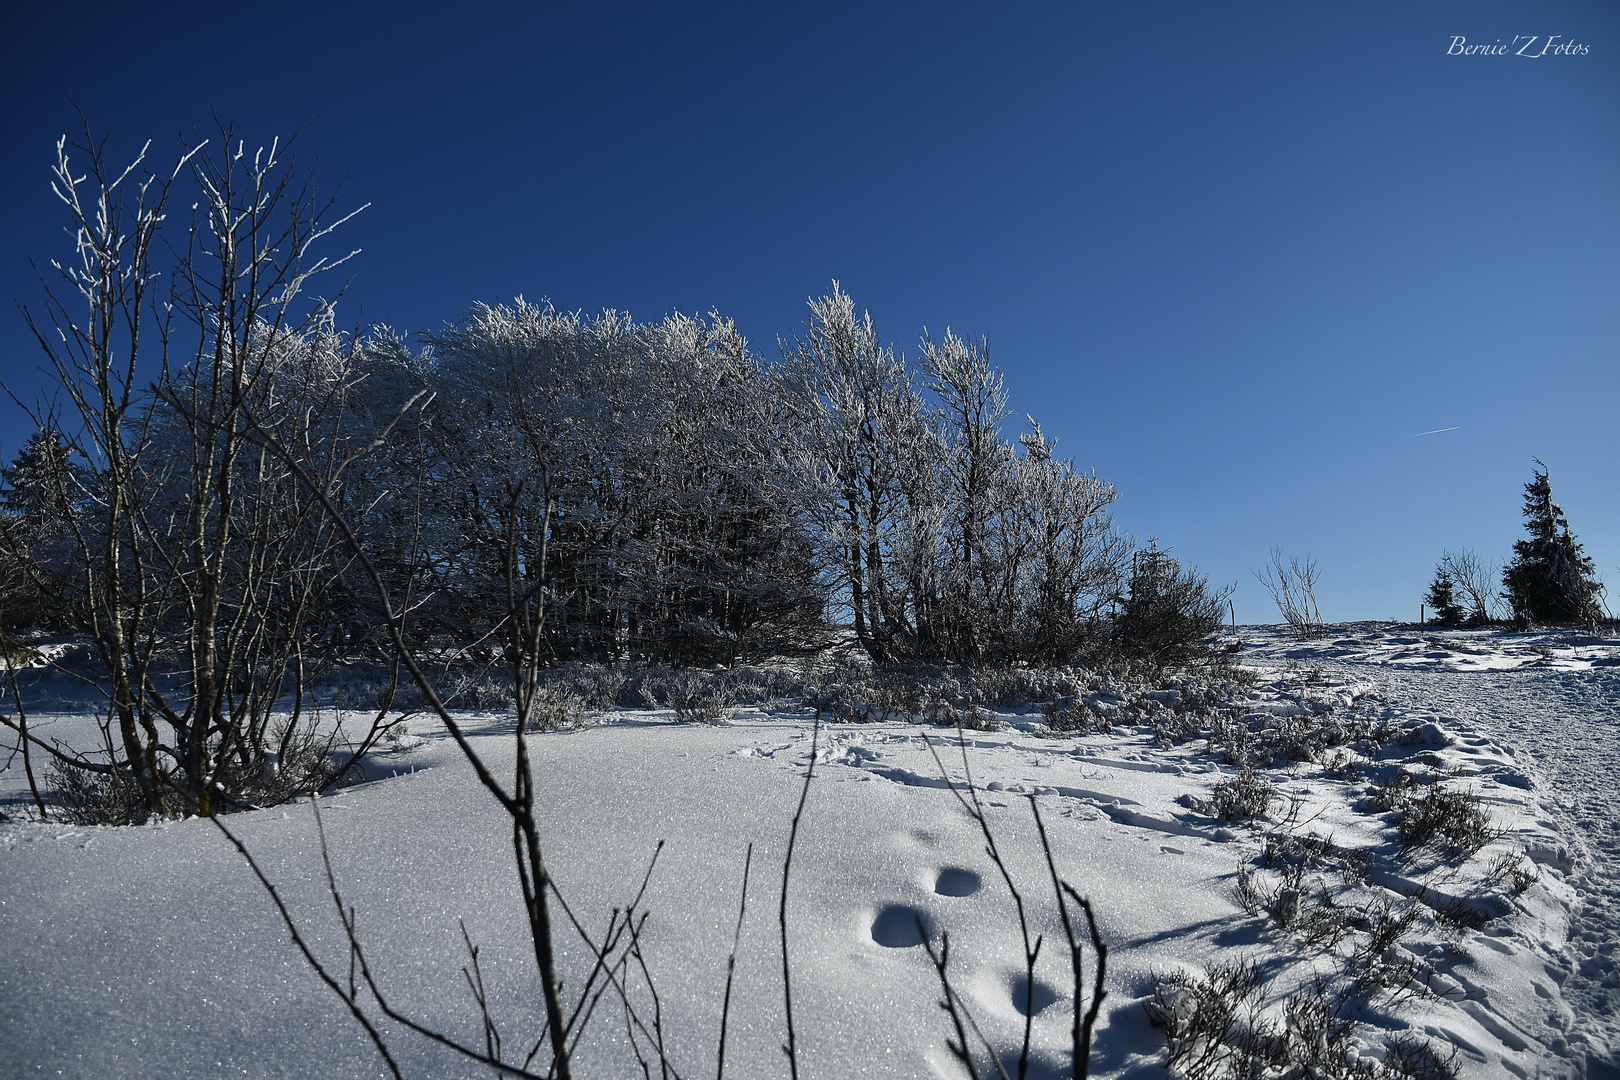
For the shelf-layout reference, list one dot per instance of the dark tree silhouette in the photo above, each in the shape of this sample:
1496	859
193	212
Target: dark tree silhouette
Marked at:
1442	598
1551	579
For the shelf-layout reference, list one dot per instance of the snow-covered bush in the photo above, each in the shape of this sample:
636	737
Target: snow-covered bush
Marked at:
1217	1025
699	698
1449	820
597	685
1243	797
557	710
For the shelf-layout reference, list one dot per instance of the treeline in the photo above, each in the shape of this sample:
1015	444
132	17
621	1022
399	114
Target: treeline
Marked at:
226	496
1550	581
673	496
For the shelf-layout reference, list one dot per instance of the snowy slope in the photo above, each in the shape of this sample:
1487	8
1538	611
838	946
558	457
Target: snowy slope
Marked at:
1553	698
153	951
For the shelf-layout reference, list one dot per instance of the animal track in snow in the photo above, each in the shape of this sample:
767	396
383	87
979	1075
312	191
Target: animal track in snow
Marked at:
896	926
1043	997
955	881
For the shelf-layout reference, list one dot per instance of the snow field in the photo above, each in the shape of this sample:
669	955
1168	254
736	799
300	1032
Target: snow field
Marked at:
153	951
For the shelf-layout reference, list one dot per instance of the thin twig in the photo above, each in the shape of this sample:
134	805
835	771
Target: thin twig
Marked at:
1032	951
1098	993
959	1048
309	956
1081	1031
731	964
791	1048
475	983
958	1010
22	727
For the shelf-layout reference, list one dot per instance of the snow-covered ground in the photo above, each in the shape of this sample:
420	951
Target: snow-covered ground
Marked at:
154	951
1553	699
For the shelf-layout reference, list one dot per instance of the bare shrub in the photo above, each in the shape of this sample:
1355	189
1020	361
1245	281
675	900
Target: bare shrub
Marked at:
1457	913
1413	1058
1243	797
1451	820
1475	582
553	709
483	691
82	797
1216	1027
1212	1024
1395	792
1516	871
1292	585
697	699
1448	820
597	685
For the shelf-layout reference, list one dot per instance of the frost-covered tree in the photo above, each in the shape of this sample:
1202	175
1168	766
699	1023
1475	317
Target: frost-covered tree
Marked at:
868	439
972	403
1071	558
189	542
945	544
640	476
725	569
1550	579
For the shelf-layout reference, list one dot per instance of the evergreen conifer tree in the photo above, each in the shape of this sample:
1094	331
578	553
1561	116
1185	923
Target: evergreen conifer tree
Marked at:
34	504
1169	612
1551	579
1442	599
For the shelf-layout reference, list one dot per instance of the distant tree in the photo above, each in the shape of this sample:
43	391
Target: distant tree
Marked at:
1551	579
1473	582
1292	586
1442	599
35	502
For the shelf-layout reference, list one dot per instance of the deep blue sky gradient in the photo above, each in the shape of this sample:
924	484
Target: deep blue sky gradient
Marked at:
1231	255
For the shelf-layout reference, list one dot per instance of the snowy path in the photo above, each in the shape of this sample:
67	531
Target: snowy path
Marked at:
1561	714
1569	724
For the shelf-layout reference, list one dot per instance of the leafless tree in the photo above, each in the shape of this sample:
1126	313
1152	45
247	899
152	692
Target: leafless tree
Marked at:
193	545
1292	585
1476	580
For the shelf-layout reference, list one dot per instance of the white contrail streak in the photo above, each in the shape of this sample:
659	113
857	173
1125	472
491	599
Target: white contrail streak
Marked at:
1436	431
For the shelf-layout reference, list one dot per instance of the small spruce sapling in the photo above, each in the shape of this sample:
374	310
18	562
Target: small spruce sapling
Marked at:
1442	600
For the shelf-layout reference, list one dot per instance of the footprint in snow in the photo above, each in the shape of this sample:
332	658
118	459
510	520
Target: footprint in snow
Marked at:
900	926
956	881
1023	1000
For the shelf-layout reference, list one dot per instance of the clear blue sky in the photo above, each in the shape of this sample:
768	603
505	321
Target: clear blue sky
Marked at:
1231	255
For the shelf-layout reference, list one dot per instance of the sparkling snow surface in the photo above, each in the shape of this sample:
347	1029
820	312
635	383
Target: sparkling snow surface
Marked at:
153	951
